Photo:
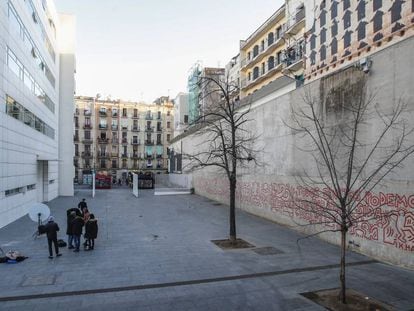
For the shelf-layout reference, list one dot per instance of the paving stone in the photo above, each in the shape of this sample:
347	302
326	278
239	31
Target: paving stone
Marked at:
127	253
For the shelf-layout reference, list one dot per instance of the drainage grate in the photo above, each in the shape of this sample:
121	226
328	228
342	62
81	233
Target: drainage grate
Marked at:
267	251
39	280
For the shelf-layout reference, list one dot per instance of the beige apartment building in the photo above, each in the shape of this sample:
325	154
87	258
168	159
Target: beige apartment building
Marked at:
115	138
262	54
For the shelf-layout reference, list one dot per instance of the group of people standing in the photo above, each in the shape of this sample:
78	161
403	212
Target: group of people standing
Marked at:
77	218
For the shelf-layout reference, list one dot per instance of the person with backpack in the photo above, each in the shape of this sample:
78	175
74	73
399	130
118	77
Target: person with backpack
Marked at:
51	229
91	232
77	224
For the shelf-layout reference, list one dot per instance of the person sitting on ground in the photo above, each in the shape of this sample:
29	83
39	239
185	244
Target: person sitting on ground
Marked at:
91	232
51	229
77	225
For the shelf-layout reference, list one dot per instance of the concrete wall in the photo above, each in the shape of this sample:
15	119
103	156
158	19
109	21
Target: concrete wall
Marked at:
265	191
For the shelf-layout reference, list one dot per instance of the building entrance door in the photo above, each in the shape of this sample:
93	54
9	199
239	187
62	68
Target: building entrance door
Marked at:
42	181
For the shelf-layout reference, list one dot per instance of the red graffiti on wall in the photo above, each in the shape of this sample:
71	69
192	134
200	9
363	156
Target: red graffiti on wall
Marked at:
387	217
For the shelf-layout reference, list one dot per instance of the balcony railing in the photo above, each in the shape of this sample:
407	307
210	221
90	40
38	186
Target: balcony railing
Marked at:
124	127
294	54
124	141
135	116
149	129
114	127
277	41
135	129
75	138
87	126
87	155
273	67
103	155
114	141
149	117
87	140
124	155
103	140
103	126
115	114
87	113
103	114
135	142
114	154
135	156
159	156
159	142
159	129
149	142
296	22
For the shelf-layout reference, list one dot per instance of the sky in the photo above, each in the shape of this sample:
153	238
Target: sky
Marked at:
143	49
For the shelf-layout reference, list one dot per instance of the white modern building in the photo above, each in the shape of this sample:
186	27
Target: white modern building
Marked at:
36	91
180	113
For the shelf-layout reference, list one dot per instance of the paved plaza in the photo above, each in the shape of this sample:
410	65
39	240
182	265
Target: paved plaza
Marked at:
155	253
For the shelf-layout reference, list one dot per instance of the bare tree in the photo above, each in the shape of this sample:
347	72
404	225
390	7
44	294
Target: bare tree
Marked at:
226	143
354	144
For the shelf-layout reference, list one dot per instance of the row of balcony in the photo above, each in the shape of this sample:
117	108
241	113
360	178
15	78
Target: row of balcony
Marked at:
116	141
132	167
148	116
134	155
267	46
291	60
276	40
116	127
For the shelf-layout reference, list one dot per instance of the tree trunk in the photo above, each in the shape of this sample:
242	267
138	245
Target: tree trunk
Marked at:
342	291
233	209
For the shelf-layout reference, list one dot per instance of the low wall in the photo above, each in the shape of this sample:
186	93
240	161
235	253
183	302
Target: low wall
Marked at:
175	180
388	237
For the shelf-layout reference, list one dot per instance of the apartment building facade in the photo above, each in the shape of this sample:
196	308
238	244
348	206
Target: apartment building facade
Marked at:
116	137
346	33
262	54
36	79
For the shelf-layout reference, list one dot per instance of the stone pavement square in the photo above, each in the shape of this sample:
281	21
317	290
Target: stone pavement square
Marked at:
155	253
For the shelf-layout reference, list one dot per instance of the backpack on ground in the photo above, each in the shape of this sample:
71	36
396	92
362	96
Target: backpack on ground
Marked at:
41	229
61	243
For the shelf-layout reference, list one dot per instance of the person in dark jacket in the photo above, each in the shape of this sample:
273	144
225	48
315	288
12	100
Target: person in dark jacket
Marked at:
77	225
91	231
51	229
71	214
82	205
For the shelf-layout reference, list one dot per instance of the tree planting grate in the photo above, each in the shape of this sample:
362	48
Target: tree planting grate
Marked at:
267	251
